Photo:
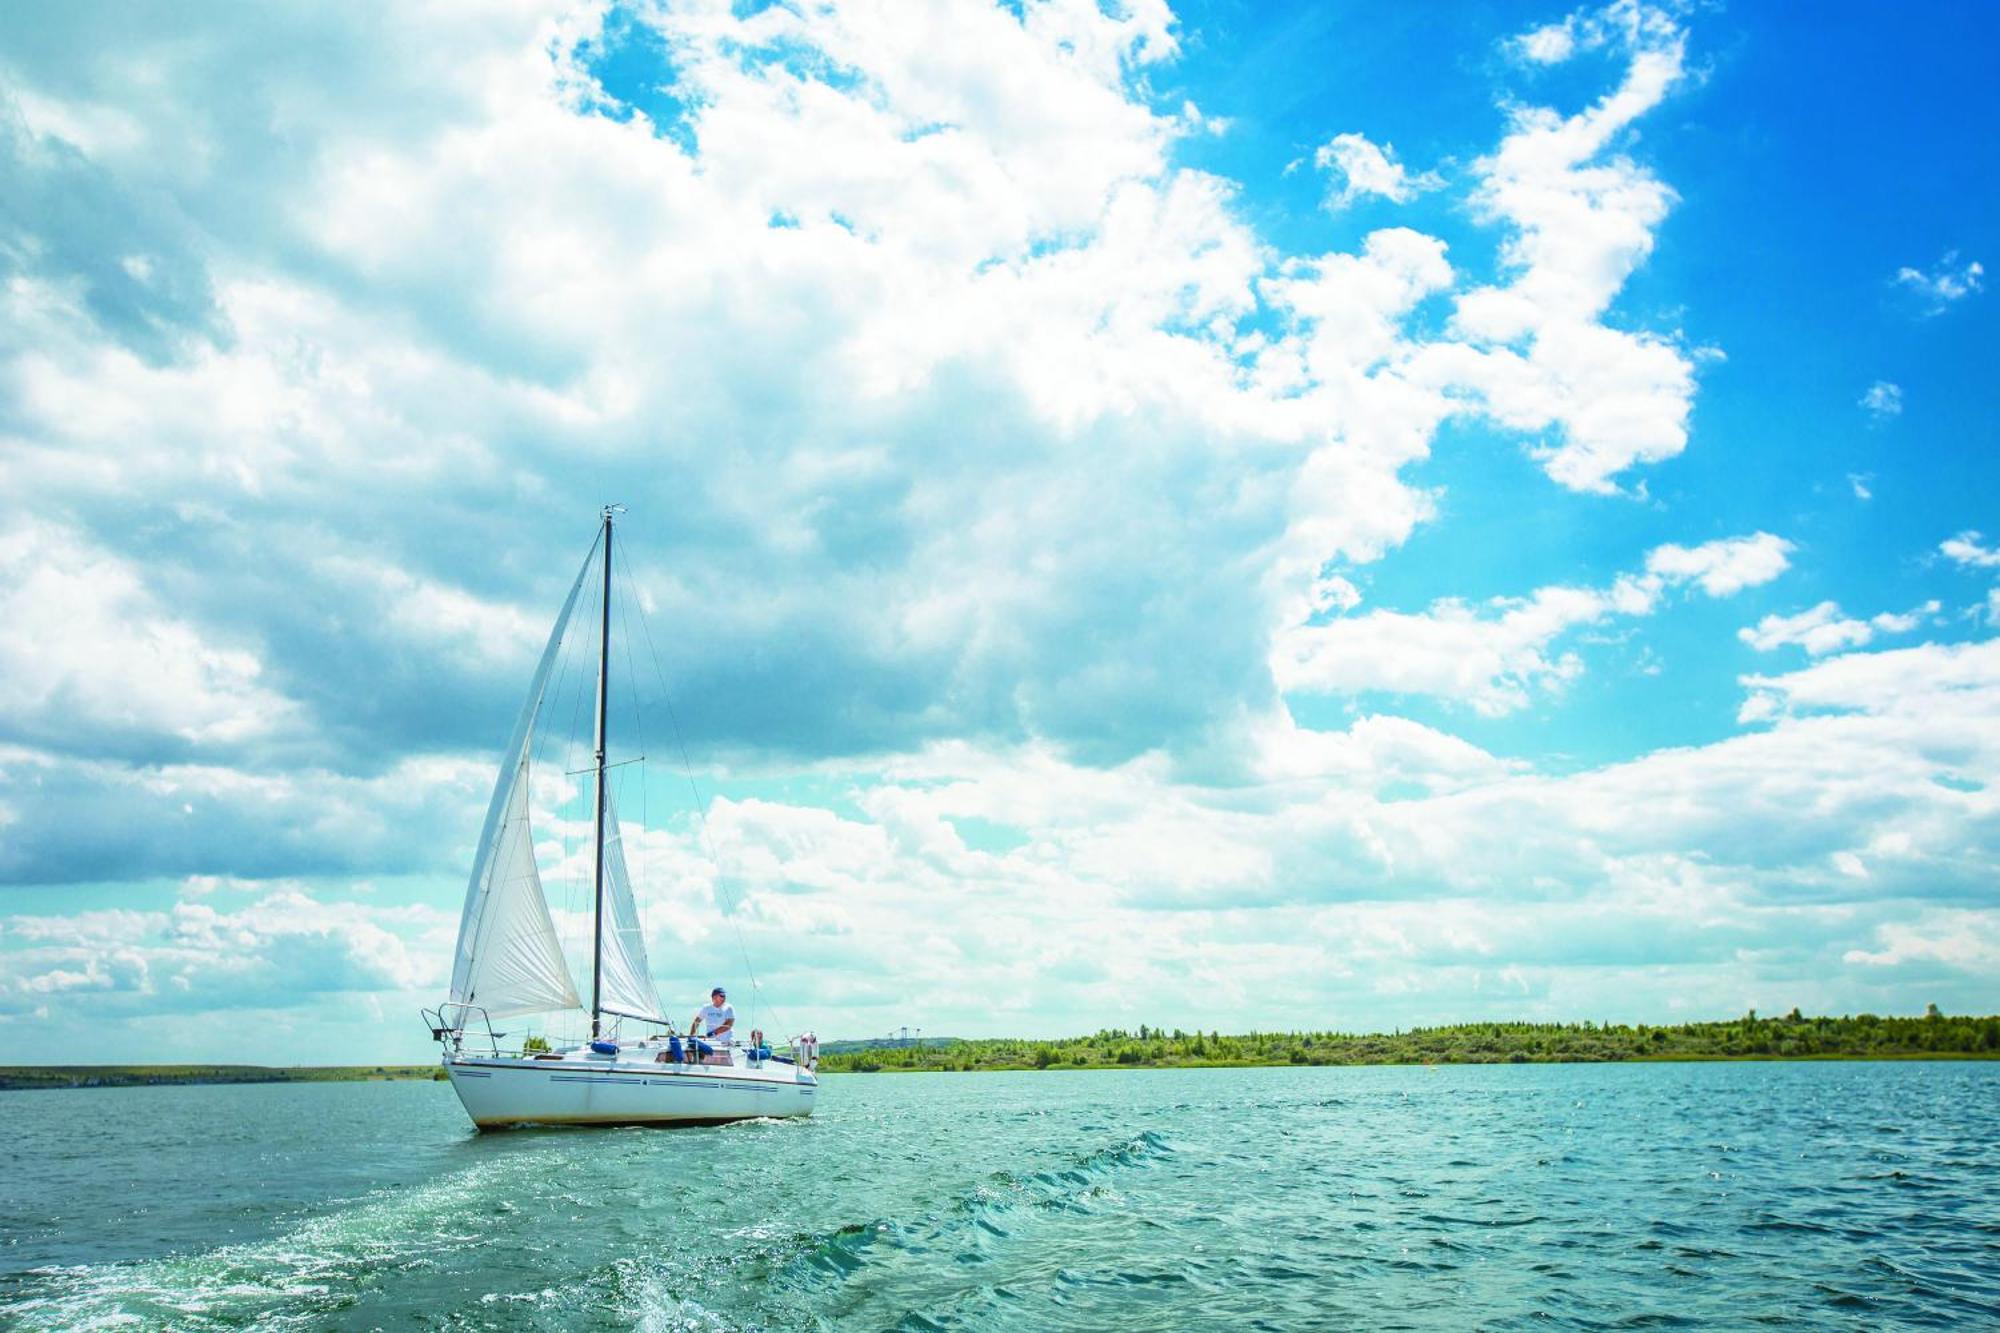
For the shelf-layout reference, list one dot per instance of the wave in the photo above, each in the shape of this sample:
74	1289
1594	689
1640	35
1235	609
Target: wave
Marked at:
296	1279
964	1224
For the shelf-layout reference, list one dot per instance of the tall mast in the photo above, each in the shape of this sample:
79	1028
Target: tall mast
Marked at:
603	714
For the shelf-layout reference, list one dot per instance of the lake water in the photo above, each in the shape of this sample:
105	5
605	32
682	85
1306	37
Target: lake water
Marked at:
1816	1195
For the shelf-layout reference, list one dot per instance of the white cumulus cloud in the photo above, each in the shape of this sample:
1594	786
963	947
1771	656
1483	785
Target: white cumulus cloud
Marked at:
1360	168
1583	217
1550	44
1969	549
1724	566
1823	629
1944	284
1497	657
1883	400
90	654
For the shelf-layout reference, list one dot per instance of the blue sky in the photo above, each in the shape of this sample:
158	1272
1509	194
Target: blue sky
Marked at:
1233	515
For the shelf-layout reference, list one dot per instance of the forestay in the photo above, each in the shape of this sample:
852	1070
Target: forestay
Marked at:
509	958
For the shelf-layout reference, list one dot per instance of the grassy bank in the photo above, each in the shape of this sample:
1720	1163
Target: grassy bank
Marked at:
1792	1037
135	1076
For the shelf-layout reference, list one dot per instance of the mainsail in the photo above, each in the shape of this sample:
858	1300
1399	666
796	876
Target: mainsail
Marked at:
509	958
624	978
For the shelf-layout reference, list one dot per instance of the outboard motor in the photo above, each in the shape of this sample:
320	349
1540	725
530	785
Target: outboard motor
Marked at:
808	1045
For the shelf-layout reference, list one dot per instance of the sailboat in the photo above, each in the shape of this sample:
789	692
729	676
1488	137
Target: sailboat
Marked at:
509	962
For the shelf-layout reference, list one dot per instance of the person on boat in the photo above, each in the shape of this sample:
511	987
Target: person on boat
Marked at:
715	1020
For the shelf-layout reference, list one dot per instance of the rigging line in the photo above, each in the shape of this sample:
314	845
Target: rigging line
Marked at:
622	562
573	882
624	567
622	763
701	823
544	739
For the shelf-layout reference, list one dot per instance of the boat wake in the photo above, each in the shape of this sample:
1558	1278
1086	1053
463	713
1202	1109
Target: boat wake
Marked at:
294	1280
993	1211
981	1250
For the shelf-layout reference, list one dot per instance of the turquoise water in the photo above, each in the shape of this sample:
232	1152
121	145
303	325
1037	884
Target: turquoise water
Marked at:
1825	1195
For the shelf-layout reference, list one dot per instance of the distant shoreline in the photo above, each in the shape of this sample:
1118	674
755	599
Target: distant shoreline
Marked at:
1792	1037
1943	1057
1932	1036
24	1078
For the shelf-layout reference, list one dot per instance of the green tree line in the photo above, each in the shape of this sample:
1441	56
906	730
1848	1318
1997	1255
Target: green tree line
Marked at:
1791	1037
15	1078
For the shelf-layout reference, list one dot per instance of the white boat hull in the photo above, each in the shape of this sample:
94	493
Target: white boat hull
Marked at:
503	1091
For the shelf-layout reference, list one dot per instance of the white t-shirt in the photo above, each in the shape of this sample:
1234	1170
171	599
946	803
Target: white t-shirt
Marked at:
713	1017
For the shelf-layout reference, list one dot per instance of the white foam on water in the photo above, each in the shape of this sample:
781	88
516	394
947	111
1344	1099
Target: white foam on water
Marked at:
285	1281
660	1310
